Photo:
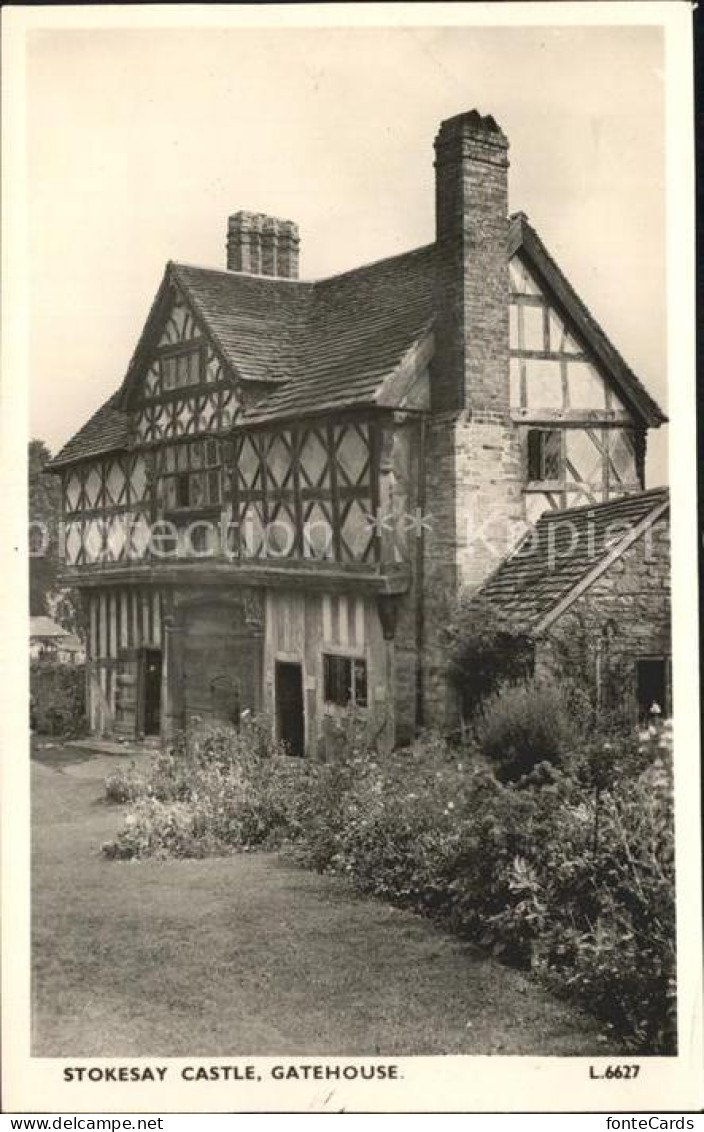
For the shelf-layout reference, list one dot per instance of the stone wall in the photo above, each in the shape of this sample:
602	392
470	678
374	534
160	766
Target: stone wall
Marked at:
623	616
474	513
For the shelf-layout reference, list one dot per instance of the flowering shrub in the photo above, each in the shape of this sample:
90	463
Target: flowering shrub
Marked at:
570	877
219	790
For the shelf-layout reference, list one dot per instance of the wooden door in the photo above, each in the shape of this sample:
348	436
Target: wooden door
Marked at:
289	707
151	679
651	687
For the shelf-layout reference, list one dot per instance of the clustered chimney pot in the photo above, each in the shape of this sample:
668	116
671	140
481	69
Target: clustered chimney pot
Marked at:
262	245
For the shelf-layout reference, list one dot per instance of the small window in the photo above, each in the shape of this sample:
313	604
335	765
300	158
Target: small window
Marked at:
544	455
345	680
201	538
213	487
182	490
180	370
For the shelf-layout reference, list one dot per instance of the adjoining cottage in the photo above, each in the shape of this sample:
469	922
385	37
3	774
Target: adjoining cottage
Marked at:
591	587
48	641
277	507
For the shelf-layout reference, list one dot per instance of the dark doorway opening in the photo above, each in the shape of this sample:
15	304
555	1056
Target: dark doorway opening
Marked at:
651	686
289	707
151	685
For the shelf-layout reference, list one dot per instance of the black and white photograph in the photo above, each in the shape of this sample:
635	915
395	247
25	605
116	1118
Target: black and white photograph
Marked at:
351	656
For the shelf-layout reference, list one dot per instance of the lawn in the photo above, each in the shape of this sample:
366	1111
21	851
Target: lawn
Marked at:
248	955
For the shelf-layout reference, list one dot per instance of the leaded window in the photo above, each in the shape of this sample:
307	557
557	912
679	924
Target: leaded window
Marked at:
189	475
344	680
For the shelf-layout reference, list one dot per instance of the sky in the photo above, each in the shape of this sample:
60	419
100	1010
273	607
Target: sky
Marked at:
142	141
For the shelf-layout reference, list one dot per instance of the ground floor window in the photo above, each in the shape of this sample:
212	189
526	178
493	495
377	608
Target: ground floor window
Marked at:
652	688
345	680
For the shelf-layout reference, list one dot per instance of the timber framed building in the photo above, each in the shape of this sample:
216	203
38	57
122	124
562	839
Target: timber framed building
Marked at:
278	505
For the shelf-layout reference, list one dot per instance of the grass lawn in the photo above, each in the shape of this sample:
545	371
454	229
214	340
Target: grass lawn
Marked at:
248	955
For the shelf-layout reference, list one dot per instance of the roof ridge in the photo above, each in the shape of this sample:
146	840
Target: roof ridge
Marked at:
178	263
423	248
620	500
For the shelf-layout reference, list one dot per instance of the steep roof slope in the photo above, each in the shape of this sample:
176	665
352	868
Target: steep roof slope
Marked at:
358	328
107	430
254	320
316	346
564	549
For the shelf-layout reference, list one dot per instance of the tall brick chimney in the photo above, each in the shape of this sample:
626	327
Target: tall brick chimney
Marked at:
471	329
262	245
473	466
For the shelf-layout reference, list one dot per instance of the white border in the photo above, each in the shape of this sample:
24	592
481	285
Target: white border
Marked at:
478	1084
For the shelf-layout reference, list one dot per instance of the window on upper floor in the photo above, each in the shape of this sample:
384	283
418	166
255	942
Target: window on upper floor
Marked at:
180	370
544	455
189	475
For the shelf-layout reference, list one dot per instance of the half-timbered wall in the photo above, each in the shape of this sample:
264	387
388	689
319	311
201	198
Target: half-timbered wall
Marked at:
106	509
339	491
185	391
121	621
556	388
307	491
303	628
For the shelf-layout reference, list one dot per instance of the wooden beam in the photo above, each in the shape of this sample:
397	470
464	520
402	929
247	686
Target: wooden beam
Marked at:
315	575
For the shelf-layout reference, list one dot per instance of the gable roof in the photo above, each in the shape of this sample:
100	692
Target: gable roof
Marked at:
46	627
310	347
565	552
524	239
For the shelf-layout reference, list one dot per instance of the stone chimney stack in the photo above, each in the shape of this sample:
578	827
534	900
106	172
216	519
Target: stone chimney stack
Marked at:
471	368
473	462
262	245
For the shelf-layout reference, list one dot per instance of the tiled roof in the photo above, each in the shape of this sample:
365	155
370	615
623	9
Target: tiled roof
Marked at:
562	549
317	346
105	431
358	327
45	627
253	319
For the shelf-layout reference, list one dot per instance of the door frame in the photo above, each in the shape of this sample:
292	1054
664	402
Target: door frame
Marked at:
666	660
283	658
140	714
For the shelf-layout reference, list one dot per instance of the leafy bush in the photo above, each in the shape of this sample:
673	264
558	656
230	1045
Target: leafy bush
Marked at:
522	725
486	650
57	698
572	880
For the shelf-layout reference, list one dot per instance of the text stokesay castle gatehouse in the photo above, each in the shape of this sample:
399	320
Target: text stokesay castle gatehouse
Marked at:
278	504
